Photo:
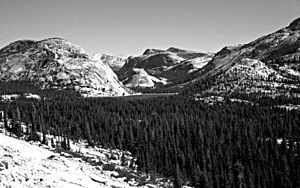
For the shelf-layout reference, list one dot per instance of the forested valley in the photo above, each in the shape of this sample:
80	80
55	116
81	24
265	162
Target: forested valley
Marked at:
232	144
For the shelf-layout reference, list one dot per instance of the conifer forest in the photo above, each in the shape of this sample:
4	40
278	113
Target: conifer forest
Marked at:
231	144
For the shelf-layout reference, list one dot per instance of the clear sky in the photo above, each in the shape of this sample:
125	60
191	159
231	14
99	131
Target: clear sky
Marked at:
128	27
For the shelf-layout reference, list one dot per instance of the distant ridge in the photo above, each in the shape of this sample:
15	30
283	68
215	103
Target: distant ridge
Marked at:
269	65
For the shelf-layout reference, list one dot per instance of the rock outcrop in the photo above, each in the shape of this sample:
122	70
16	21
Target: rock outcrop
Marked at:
57	63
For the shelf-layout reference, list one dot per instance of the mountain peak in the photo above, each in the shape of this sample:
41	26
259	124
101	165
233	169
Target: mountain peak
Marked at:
17	46
176	50
114	62
57	63
295	25
54	39
150	51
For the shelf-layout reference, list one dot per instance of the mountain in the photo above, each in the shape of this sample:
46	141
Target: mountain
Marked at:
114	62
268	65
140	78
57	63
159	68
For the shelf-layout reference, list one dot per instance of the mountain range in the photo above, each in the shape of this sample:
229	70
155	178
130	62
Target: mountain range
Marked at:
225	119
269	64
159	68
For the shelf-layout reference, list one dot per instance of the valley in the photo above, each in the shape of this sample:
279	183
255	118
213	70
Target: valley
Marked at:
166	118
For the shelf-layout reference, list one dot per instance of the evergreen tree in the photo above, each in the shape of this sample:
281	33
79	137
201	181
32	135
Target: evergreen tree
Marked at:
177	177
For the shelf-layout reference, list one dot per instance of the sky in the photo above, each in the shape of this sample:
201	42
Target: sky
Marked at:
128	27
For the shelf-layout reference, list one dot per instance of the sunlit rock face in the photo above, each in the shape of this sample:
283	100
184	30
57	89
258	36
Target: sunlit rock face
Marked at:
161	67
268	65
114	62
57	63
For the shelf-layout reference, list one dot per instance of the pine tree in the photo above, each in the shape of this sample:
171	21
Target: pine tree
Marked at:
123	159
88	133
5	121
177	177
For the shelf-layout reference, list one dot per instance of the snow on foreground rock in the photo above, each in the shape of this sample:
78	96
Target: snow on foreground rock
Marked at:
26	165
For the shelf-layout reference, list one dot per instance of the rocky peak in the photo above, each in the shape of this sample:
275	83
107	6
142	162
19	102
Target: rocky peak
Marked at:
295	25
176	50
17	46
57	63
152	51
114	62
224	51
60	44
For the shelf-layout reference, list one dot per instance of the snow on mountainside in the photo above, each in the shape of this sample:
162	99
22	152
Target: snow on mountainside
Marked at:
114	62
161	66
56	63
270	64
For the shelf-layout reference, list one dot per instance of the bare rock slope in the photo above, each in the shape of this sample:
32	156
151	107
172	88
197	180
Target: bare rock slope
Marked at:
161	67
57	63
269	65
114	62
30	166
